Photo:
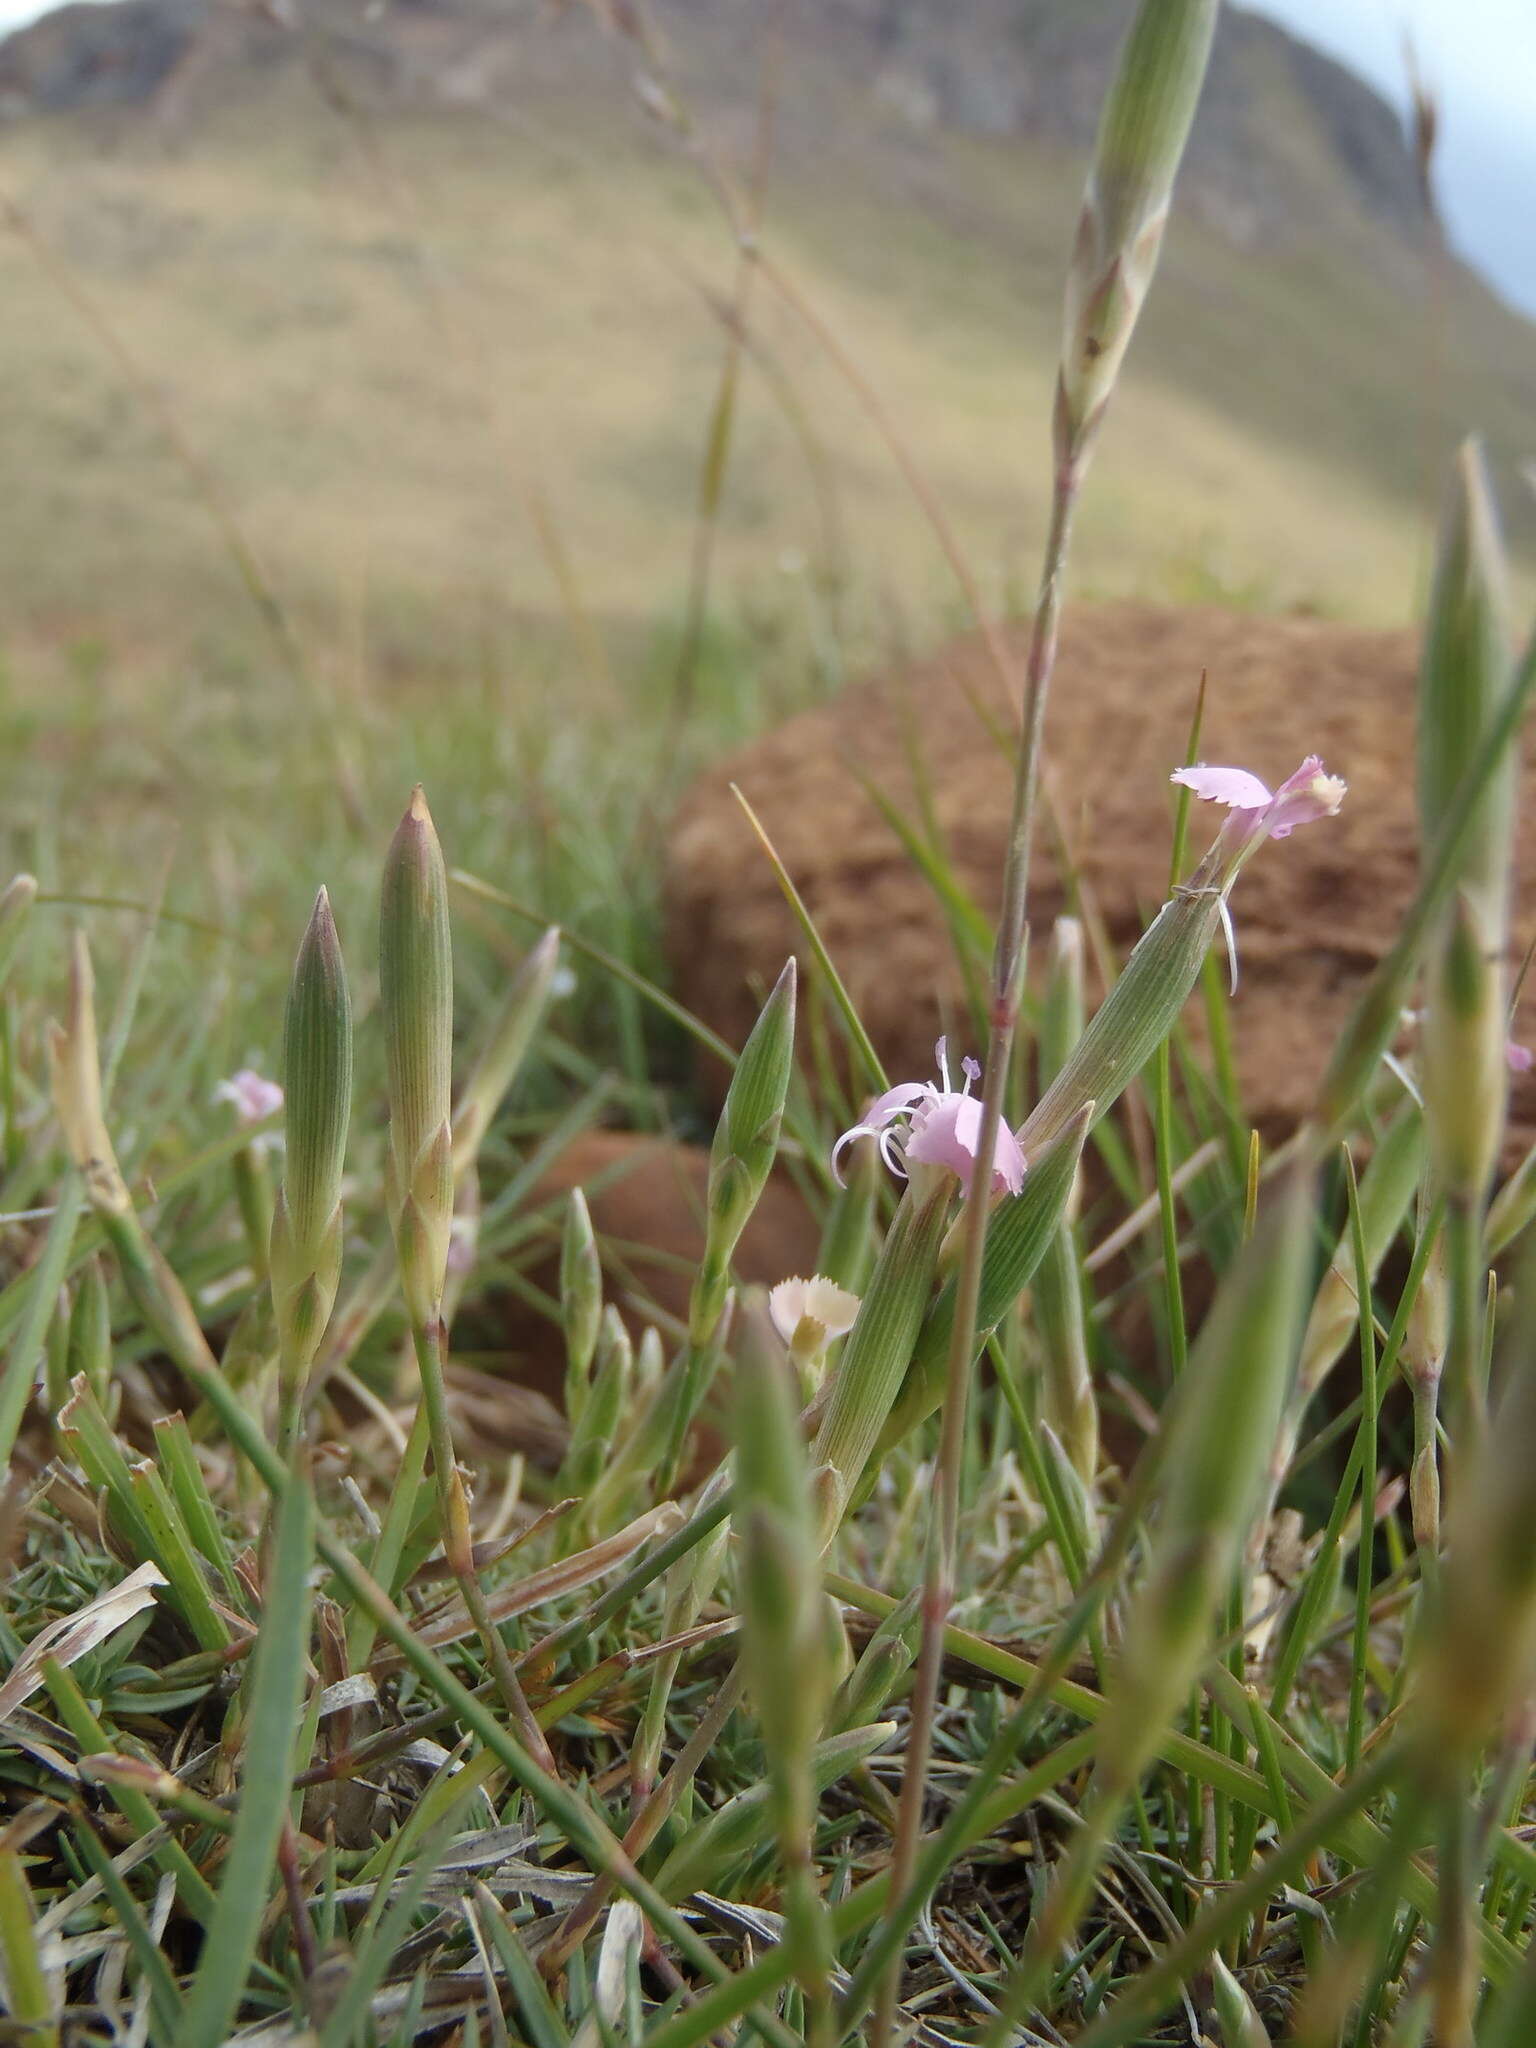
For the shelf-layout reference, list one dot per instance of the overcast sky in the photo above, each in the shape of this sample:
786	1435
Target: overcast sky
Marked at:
1480	58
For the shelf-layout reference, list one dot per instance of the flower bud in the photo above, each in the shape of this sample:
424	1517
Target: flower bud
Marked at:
746	1142
317	1085
416	999
581	1301
784	1643
879	1348
886	1658
1465	675
1220	1427
612	1381
1481	1654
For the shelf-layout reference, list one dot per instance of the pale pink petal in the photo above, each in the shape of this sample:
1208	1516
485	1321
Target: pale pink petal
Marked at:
903	1096
1519	1058
947	1133
1234	787
893	1103
254	1097
1304	797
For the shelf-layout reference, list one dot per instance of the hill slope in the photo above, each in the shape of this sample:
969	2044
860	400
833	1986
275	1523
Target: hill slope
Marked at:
423	287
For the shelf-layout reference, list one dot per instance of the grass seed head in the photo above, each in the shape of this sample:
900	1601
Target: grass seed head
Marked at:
1142	133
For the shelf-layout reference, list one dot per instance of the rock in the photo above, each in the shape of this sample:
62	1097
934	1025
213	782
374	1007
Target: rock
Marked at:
1313	914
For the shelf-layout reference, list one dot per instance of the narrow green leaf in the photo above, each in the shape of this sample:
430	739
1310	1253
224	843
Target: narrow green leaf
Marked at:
276	1691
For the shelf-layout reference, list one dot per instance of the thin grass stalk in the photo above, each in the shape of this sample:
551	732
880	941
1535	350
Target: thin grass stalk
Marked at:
1141	140
416	998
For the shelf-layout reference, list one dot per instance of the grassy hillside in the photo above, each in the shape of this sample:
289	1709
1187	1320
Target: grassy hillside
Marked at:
404	349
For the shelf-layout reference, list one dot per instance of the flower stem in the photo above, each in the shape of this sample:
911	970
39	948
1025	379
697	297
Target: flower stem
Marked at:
939	1576
458	1540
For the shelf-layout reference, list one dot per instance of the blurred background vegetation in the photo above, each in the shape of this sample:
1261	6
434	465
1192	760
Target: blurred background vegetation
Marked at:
362	367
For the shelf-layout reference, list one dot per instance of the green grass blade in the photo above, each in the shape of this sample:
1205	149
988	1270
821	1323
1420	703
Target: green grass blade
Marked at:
276	1688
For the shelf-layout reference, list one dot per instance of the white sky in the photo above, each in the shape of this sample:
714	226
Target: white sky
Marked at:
1480	58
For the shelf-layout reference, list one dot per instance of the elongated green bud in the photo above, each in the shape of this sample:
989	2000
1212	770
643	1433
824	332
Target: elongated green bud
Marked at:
1221	1425
416	999
317	1096
1142	133
885	1660
512	1031
783	1643
1236	2013
1481	1656
612	1381
581	1301
745	1145
1465	676
1134	1018
15	907
879	1347
1377	1015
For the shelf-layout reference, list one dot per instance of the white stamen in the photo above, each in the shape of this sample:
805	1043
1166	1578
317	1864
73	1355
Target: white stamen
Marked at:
1231	938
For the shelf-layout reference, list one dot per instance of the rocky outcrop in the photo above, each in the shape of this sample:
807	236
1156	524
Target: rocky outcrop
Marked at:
1313	914
1280	125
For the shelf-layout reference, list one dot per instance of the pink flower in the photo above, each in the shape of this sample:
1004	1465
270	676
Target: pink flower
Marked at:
1258	811
1519	1058
917	1123
255	1098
